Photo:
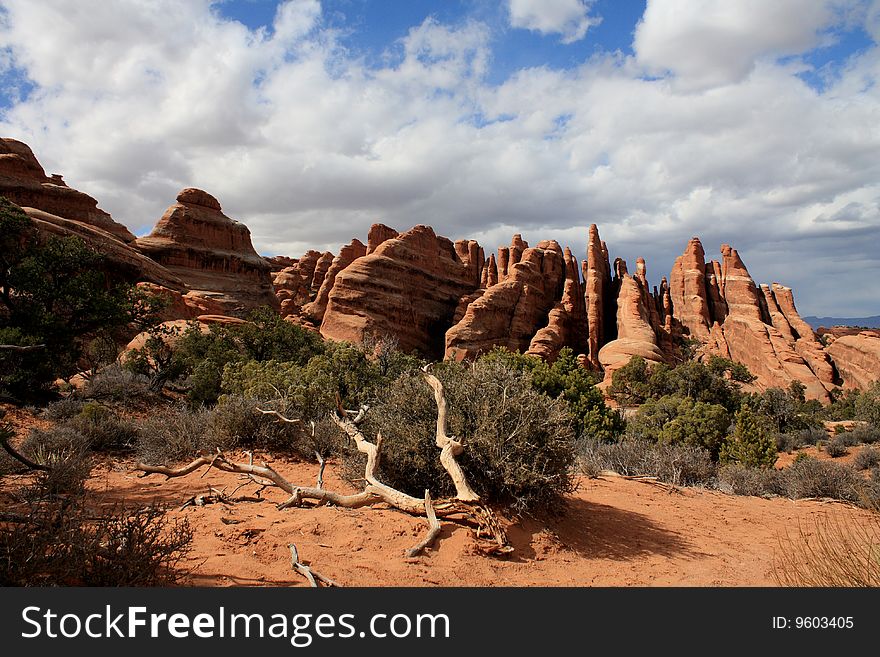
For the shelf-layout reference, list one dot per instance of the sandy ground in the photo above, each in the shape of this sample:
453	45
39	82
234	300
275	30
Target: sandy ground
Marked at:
614	532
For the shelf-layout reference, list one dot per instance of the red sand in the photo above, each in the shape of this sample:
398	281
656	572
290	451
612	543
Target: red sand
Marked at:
615	532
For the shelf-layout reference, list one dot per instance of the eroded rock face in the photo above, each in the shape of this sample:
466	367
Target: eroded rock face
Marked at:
597	286
567	321
510	312
128	262
408	287
635	334
23	181
688	291
769	351
347	255
857	358
212	254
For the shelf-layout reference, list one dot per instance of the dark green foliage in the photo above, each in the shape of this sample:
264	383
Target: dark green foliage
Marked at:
677	464
566	379
196	358
680	420
786	409
752	442
715	382
842	406
56	293
518	442
867	406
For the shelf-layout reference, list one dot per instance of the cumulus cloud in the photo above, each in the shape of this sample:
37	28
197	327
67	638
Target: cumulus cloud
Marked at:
713	42
308	145
568	18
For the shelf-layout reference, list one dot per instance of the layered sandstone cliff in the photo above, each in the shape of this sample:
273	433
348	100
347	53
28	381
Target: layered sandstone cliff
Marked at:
211	253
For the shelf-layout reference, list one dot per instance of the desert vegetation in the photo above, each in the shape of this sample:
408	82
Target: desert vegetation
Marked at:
501	435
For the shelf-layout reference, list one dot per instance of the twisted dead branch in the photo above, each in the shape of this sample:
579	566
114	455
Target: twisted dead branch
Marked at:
466	507
306	571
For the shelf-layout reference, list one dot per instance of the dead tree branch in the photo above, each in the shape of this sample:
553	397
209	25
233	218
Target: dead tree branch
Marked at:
306	571
433	528
21	349
279	416
449	447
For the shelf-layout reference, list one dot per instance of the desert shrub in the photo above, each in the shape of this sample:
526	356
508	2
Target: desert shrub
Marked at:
866	434
175	434
744	480
64	408
196	359
786	409
102	428
518	443
308	392
566	379
67	546
836	447
752	442
836	552
809	477
680	420
792	440
842	406
867	406
867	458
677	464
715	382
64	451
115	383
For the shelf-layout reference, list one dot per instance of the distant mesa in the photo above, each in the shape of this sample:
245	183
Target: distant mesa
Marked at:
448	299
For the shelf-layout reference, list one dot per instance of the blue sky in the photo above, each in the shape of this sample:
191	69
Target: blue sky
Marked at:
751	122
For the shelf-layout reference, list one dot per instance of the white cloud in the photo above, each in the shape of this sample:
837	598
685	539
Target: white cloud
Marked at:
568	18
707	43
308	146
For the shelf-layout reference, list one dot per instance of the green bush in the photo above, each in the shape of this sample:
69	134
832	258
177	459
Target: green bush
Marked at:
566	379
518	443
867	406
56	292
752	442
681	420
792	440
64	451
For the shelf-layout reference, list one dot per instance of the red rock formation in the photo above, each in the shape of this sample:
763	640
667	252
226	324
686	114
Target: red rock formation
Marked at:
857	358
717	304
280	262
23	181
509	313
567	321
687	290
635	334
320	272
408	287
347	255
378	234
597	284
211	253
768	353
290	290
129	263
